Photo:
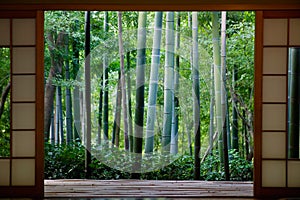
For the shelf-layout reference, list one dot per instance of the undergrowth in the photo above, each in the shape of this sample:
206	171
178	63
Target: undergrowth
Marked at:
68	162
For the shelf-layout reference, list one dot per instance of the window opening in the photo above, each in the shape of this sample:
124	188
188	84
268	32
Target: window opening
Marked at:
186	67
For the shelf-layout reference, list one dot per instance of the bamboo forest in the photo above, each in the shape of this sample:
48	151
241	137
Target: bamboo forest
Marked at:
147	95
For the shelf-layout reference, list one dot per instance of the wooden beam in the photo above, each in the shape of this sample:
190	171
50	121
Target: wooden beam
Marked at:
150	2
149	5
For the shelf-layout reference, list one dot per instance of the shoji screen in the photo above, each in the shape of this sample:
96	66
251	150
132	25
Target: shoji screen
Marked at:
21	170
276	173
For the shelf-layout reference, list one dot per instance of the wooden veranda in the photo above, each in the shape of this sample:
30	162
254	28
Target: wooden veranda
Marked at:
145	188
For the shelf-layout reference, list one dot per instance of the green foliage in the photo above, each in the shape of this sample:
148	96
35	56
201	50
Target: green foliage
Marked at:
210	169
4	143
239	168
67	161
104	172
5	117
5	130
180	169
64	161
240	52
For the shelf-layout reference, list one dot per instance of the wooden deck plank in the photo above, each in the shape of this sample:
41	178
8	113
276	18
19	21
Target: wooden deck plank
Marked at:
146	188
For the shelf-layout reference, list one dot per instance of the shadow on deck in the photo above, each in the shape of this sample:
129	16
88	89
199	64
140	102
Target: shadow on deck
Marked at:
67	188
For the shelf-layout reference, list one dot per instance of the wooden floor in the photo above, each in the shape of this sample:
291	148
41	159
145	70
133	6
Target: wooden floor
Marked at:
143	188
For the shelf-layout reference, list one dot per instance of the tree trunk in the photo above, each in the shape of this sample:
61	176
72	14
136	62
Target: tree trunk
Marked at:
188	128
52	130
57	118
87	77
100	109
211	111
189	125
228	122
224	95
218	82
243	152
117	120
175	121
128	79
209	149
123	82
168	83
76	98
153	87
55	45
105	85
60	116
82	115
196	96
140	87
4	97
235	124
246	138
69	117
77	124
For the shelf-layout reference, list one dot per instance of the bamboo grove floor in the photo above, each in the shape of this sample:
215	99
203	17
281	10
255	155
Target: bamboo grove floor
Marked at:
79	188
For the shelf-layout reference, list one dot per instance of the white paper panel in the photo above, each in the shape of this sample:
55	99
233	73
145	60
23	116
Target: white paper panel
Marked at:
273	145
23	60
23	172
274	89
294	31
274	117
23	88
23	32
274	60
273	173
23	143
293	173
4	172
4	32
275	31
23	115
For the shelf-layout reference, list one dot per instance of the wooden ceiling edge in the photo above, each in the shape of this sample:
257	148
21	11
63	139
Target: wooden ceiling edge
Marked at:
148	7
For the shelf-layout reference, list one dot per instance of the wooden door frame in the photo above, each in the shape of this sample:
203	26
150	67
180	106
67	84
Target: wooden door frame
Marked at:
205	5
259	190
37	190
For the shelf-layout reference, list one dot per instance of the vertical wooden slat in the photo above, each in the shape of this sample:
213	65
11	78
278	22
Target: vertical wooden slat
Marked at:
258	103
287	79
40	104
10	99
